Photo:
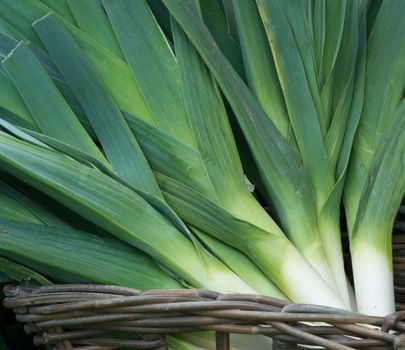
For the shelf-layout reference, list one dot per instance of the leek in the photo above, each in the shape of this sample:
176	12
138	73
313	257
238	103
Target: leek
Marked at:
115	116
374	186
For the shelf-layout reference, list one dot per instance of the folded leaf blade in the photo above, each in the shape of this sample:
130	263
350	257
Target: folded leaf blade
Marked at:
152	62
91	18
82	256
46	104
120	146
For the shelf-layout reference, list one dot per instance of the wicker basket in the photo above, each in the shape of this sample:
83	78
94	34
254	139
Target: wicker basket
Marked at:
81	316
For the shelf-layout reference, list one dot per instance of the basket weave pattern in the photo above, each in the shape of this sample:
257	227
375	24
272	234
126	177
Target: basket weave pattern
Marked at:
77	316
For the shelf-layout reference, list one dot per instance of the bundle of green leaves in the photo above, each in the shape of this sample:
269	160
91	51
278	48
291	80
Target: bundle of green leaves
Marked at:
131	133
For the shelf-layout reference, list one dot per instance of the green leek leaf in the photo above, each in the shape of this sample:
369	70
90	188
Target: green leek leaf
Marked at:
16	272
121	148
80	256
92	20
152	63
50	110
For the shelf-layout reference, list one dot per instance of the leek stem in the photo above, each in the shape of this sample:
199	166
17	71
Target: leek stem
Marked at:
373	279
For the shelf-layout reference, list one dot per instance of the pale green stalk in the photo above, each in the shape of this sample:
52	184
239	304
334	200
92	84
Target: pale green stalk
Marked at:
370	237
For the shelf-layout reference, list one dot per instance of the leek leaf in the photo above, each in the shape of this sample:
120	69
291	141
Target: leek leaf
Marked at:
62	8
259	64
50	110
11	100
354	115
120	146
113	71
91	19
20	20
25	208
212	133
335	13
17	272
8	42
317	11
86	159
384	187
170	156
15	119
11	31
301	105
334	26
228	45
43	209
230	18
297	28
344	83
152	63
85	257
12	209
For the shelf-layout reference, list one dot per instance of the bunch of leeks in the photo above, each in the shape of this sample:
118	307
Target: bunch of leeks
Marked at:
128	130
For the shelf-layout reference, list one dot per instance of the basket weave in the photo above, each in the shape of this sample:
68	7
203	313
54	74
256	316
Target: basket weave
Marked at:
77	316
81	316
